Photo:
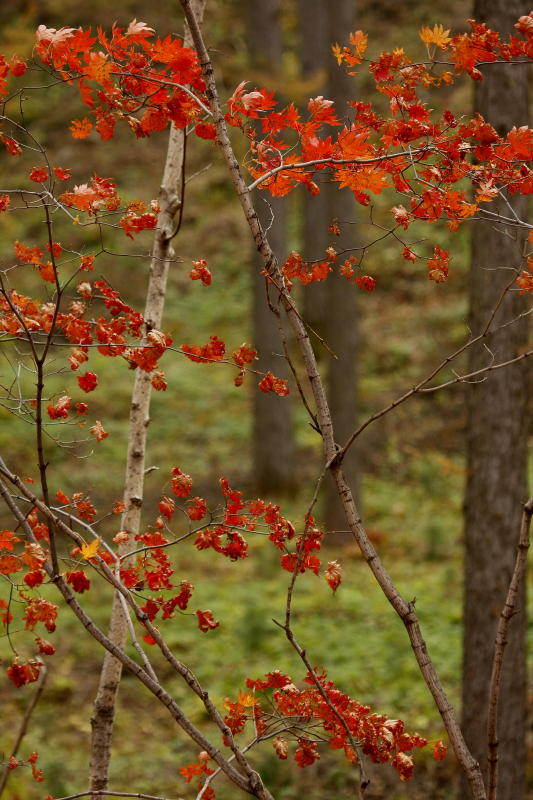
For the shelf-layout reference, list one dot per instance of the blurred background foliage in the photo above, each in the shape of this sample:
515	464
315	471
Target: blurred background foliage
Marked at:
411	462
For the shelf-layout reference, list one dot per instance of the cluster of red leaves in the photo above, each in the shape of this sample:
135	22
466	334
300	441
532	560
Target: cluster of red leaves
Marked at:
114	334
196	769
129	77
31	761
214	350
383	740
200	272
421	157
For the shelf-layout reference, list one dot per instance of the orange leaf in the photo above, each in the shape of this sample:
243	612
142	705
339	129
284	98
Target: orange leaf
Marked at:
436	35
9	564
81	128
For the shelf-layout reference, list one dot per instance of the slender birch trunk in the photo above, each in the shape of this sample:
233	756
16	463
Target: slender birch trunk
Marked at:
103	717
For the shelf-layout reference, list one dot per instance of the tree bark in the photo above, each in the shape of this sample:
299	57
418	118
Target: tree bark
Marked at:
496	448
315	55
102	721
273	468
341	326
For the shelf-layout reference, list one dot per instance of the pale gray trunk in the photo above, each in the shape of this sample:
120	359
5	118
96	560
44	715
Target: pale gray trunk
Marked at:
105	702
273	468
497	436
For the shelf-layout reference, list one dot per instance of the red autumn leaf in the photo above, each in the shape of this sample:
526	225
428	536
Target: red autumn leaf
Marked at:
7	538
365	282
25	672
98	431
205	130
438	265
60	409
17	67
158	381
333	574
88	382
198	510
62	174
79	581
200	272
306	753
45	647
181	483
439	750
206	621
34	578
10	564
81	128
525	282
39	174
167	507
272	384
40	610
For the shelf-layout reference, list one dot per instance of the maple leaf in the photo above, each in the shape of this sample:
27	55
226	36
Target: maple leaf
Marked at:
98	431
333	574
272	384
181	483
88	382
62	174
61	408
525	282
90	550
206	621
9	564
6	539
306	753
200	272
51	36
79	580
439	750
27	672
436	35
247	700
138	30
281	747
81	128
438	265
39	174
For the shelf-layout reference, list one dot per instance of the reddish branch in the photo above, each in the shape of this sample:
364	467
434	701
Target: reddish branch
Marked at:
403	608
509	610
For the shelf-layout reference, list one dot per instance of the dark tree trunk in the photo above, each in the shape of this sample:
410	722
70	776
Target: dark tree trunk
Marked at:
341	327
273	468
330	306
315	53
496	455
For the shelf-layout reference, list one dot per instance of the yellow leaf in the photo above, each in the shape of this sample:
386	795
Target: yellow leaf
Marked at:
90	550
437	36
246	700
337	52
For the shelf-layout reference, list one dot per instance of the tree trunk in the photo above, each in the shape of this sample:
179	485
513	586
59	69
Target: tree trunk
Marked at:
341	313
496	448
315	55
103	718
273	468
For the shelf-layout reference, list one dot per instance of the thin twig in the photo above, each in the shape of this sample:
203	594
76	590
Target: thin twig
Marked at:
24	724
508	611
